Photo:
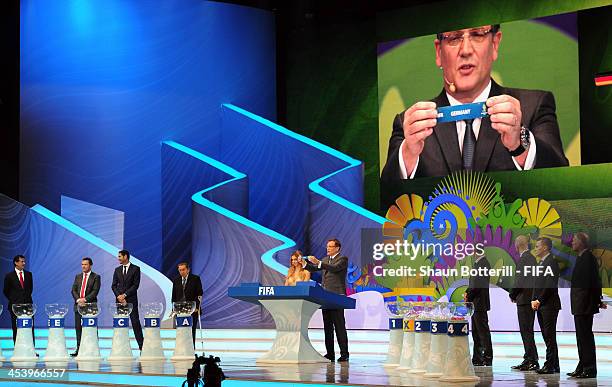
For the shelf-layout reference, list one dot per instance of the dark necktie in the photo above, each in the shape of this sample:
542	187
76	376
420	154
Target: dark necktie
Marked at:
469	145
124	271
183	298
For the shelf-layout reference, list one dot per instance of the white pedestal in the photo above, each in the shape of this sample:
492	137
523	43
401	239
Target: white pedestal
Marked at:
396	337
183	346
407	351
88	365
56	345
437	355
89	350
292	344
151	346
459	366
422	342
24	346
121	349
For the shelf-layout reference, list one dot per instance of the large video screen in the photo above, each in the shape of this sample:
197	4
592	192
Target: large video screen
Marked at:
526	73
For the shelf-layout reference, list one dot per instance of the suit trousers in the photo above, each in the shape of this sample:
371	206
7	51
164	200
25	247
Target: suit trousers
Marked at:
77	327
136	327
14	326
483	348
547	318
526	318
334	319
585	340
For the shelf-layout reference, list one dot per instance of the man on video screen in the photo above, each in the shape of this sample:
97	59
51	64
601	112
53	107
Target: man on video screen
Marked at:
519	132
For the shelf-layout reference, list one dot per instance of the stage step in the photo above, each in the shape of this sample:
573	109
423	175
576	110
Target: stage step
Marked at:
251	342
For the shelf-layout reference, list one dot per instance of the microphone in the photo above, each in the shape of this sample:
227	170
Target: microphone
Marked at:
451	85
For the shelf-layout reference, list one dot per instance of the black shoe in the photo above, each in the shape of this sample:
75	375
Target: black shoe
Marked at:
586	375
478	364
530	367
574	374
343	358
330	358
520	366
74	354
548	370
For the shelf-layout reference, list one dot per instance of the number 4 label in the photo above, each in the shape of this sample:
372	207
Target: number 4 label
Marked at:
458	329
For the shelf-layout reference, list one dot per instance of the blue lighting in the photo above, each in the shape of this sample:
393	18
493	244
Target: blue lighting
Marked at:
315	186
164	283
268	257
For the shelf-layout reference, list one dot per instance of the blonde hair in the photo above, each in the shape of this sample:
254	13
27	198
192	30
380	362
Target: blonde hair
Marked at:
292	269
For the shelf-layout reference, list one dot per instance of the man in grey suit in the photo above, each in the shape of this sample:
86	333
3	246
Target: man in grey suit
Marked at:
84	290
333	279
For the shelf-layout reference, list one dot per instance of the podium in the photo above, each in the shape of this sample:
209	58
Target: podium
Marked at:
24	343
89	349
291	308
56	342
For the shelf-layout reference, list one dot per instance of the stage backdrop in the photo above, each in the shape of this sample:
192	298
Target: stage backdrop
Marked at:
145	126
104	82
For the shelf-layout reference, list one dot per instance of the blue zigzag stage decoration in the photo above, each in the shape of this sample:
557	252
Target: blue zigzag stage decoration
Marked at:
252	250
236	226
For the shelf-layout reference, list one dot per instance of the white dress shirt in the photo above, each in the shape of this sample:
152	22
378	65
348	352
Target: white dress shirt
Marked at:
531	153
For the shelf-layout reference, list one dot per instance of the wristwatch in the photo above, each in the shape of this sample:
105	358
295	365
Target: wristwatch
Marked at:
525	141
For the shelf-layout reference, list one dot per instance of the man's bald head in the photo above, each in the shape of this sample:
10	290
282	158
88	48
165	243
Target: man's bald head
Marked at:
521	243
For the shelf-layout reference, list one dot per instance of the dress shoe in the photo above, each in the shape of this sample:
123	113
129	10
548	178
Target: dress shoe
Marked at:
343	358
519	366
573	374
586	375
330	357
530	367
548	370
478	363
74	354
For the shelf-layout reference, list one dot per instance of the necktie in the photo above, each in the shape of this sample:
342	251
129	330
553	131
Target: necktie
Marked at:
124	270
469	145
183	298
21	279
184	282
83	285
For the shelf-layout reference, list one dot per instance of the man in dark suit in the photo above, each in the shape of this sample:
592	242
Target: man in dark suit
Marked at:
85	289
521	295
520	132
126	280
478	294
547	304
188	287
333	279
585	298
18	287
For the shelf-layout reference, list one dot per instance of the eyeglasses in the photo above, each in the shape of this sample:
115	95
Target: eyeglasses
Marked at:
456	38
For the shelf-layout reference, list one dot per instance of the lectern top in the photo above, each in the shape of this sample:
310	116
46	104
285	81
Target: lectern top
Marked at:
310	291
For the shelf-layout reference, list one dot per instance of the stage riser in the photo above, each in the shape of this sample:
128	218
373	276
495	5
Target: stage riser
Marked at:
255	342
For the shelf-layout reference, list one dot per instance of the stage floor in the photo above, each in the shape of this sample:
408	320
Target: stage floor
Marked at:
238	350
